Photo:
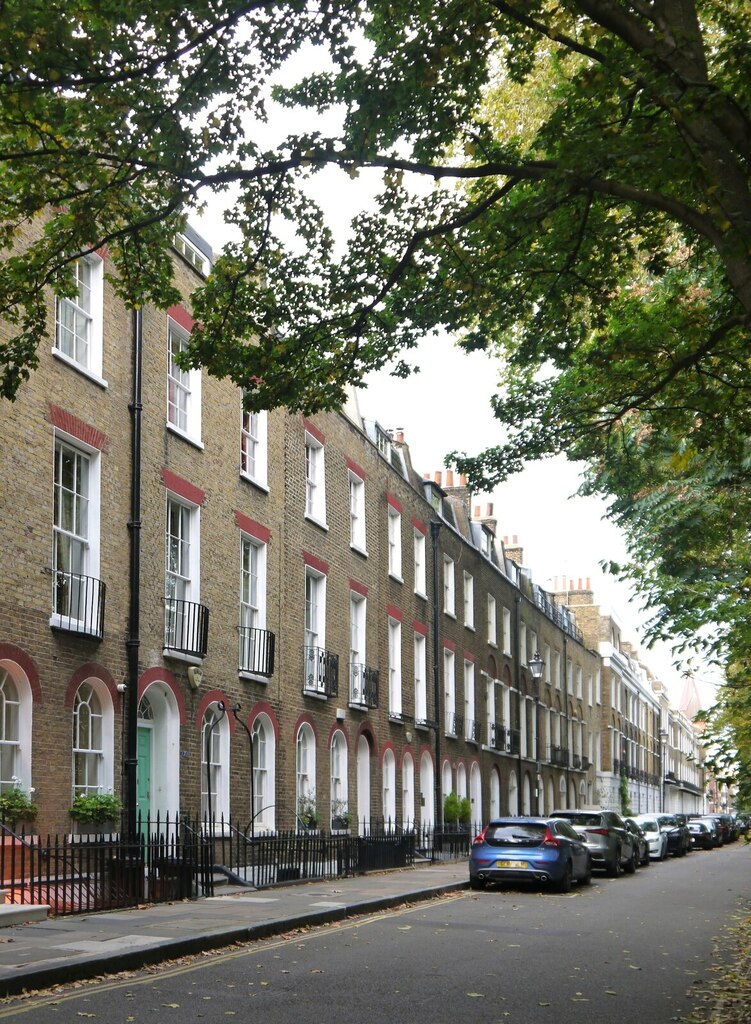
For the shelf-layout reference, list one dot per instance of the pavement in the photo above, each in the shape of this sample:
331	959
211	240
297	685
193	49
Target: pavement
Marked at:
41	954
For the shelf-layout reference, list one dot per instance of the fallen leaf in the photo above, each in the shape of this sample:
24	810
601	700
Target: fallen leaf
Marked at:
172	1006
405	928
543	1004
476	995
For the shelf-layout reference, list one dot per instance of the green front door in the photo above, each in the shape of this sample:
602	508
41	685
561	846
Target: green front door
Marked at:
143	774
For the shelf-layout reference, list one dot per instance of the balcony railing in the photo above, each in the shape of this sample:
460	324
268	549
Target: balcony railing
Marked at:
186	627
471	730
257	648
363	685
321	672
516	740
559	756
498	736
78	604
577	762
454	724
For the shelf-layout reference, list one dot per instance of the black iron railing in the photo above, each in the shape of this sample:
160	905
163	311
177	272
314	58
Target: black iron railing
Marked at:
321	672
257	649
498	737
80	874
78	604
363	685
472	730
186	627
454	724
559	756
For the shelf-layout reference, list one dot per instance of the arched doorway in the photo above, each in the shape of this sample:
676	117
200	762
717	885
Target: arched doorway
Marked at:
363	784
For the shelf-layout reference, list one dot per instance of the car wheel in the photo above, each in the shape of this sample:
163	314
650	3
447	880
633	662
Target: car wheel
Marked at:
664	854
647	860
477	884
614	868
565	883
632	863
586	878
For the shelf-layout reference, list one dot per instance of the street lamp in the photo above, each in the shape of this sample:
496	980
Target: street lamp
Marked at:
663	744
536	667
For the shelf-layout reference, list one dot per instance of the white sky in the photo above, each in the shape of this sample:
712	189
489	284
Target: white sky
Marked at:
446	407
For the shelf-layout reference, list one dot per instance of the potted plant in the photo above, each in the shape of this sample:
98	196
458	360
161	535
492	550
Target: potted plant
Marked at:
16	805
307	813
98	811
341	816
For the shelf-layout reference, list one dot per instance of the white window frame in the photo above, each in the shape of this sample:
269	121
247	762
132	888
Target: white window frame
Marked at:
98	752
506	631
86	308
315	480
395	667
420	565
449	690
357	534
253	581
305	766
315	627
449	588
421	681
254	436
85	532
408	791
263	739
492	621
358	619
395	543
469	698
215	773
183	389
182	577
469	601
339	788
389	789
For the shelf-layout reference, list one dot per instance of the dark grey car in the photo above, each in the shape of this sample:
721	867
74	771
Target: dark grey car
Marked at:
608	840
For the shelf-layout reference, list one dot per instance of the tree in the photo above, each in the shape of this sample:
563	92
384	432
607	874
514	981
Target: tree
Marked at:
597	234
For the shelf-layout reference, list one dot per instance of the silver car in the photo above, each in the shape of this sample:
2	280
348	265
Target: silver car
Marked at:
608	840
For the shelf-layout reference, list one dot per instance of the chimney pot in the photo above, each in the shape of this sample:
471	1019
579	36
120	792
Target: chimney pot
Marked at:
400	435
514	539
463	480
426	476
589	583
449	478
580	583
489	511
438	477
477	511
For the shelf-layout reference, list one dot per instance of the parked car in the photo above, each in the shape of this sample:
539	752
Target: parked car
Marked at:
719	825
679	837
610	843
657	839
702	834
640	838
529	850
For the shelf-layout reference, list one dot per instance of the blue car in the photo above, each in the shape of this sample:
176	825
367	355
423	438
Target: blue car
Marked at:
546	850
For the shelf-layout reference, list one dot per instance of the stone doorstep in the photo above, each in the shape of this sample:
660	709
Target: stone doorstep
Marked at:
21	913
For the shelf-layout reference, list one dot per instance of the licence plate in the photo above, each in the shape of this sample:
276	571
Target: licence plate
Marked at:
511	864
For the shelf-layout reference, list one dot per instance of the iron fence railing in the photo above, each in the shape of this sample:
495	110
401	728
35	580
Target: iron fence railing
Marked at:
80	874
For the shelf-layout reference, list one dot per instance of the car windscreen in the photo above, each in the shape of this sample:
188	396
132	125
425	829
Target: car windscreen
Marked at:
516	832
583	819
649	826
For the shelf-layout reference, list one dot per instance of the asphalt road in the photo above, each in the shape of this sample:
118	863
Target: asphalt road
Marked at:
637	948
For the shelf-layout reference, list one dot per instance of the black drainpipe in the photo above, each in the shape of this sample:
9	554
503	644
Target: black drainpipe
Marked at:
518	681
133	640
435	529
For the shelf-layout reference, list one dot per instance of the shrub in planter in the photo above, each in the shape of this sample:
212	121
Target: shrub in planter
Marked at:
451	809
465	811
95	808
16	805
